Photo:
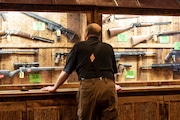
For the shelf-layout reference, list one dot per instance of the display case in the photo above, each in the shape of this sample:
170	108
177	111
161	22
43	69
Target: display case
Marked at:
146	46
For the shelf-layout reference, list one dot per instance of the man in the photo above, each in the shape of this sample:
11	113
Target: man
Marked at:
95	65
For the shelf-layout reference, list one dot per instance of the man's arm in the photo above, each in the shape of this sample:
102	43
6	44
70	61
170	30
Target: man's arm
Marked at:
61	79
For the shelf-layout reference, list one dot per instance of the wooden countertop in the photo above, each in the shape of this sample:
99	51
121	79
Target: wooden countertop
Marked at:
63	91
150	88
36	92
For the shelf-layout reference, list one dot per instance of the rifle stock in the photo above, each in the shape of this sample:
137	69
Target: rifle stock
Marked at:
7	73
141	38
114	31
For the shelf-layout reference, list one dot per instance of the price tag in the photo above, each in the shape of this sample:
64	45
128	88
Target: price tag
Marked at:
58	33
39	26
35	78
164	39
176	45
122	38
21	74
130	74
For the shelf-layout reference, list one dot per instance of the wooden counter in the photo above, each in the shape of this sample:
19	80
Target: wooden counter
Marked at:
135	103
63	91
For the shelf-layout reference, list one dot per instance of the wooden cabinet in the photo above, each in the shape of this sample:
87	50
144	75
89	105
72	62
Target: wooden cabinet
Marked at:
149	106
37	110
62	105
37	105
52	109
172	107
139	108
13	110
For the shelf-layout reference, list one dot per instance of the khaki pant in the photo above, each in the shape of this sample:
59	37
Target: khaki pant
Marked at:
97	100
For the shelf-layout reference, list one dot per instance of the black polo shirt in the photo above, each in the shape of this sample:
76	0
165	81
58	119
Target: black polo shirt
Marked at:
78	57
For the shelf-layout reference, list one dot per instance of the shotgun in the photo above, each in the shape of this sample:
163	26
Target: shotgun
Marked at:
24	35
114	31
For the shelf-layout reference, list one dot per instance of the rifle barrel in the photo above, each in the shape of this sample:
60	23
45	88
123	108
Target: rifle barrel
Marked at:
162	23
134	53
37	69
169	33
17	51
162	65
43	39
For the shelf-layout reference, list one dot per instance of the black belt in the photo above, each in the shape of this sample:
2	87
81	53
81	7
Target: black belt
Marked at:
100	78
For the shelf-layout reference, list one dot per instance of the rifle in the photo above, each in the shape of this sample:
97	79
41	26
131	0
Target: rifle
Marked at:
110	18
17	51
141	38
52	26
174	66
18	65
114	31
8	73
130	53
24	35
175	55
58	56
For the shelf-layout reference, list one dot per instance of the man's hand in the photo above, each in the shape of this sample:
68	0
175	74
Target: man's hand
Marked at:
1	76
48	88
118	87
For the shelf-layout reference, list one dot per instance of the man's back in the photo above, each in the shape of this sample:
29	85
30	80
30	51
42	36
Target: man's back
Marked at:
104	59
